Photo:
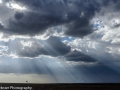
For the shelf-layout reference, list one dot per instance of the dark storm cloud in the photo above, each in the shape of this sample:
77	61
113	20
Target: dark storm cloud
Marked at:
43	14
116	25
117	4
80	21
1	26
31	23
79	56
51	47
19	15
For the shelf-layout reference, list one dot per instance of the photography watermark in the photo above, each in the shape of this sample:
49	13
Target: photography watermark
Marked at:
15	88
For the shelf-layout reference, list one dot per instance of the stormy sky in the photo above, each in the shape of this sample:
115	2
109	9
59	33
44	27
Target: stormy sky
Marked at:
60	41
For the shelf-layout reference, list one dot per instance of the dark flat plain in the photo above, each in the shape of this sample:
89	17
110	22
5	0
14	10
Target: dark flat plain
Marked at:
58	86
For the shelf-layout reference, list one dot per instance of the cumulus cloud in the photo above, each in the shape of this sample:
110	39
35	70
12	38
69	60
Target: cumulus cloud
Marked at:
40	17
103	44
75	15
92	25
106	21
33	48
52	46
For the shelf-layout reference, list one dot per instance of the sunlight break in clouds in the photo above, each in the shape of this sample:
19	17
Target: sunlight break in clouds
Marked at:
16	6
0	1
60	40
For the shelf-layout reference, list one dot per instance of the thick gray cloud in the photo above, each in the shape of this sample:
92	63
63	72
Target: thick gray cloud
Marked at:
76	17
51	47
1	26
79	56
42	14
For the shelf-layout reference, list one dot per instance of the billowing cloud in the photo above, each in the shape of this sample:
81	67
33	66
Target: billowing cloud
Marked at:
81	35
52	46
39	17
33	48
103	44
